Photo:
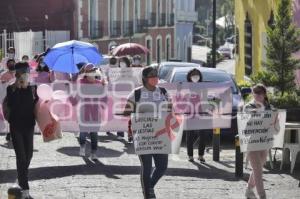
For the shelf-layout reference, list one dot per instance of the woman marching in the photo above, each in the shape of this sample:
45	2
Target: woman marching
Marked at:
195	76
21	101
257	159
139	101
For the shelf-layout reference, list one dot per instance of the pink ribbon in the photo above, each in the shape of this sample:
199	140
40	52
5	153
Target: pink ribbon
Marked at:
168	129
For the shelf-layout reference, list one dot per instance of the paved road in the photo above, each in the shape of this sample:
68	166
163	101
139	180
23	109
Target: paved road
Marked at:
57	172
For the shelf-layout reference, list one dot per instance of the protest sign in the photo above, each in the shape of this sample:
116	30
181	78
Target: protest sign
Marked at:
257	130
156	134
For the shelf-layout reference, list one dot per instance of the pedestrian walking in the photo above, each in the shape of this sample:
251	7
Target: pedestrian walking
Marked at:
7	78
138	101
90	76
21	100
257	159
195	76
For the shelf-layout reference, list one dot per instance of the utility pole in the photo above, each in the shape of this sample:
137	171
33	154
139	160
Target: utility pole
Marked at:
214	45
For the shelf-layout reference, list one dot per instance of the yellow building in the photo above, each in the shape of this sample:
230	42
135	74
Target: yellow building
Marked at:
252	17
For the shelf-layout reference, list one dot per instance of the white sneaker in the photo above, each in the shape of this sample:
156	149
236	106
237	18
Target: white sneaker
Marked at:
94	156
250	194
82	151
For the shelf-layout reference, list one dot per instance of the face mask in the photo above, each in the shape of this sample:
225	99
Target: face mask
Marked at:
11	55
24	80
90	77
136	62
195	78
153	81
123	65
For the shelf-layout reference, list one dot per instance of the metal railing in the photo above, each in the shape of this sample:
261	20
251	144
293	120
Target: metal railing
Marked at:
96	29
162	19
141	25
152	19
127	28
115	29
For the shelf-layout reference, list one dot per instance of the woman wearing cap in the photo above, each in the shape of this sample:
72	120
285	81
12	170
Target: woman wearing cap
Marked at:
257	159
141	97
21	101
195	76
90	76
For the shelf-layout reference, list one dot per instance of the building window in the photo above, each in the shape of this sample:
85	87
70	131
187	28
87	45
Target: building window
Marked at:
168	48
271	21
149	46
237	41
115	26
178	51
127	24
158	49
248	46
94	23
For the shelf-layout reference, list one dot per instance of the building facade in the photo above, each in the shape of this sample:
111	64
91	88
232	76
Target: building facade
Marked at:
185	16
20	15
252	18
110	22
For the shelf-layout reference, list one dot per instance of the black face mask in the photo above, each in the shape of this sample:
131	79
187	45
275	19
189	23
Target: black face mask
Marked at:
11	67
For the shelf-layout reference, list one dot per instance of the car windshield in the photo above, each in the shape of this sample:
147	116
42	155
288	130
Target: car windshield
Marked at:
208	77
164	70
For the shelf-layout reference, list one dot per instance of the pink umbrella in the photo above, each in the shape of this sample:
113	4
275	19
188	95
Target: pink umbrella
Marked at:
129	49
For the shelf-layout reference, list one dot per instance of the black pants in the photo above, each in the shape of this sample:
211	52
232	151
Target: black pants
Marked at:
149	178
23	146
191	137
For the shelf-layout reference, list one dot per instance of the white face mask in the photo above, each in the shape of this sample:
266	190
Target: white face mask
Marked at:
195	78
24	80
136	62
90	76
11	55
123	65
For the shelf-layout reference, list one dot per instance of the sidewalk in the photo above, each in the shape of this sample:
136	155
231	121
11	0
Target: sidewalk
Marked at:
57	172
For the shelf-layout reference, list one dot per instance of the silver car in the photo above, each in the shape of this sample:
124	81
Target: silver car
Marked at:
212	75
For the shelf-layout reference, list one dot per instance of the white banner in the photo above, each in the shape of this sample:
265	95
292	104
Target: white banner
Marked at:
261	130
157	134
133	75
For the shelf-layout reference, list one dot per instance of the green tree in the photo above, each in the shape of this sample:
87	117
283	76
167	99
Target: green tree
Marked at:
282	41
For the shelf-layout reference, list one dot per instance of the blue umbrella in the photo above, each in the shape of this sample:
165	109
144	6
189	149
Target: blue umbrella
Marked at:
63	57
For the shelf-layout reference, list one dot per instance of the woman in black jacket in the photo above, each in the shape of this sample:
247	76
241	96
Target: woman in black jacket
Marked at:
195	76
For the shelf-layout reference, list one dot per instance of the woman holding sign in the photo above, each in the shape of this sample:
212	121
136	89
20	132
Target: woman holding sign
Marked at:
21	100
138	102
195	76
257	158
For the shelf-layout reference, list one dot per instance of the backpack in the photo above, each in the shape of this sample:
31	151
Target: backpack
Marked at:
138	92
137	97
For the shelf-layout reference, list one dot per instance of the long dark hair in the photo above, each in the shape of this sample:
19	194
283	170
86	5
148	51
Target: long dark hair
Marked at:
191	72
261	89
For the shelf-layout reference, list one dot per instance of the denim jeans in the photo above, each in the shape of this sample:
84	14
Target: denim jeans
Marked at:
23	145
150	178
94	139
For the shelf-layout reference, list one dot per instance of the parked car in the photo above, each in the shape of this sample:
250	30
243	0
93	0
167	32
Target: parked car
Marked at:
213	75
165	67
226	52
